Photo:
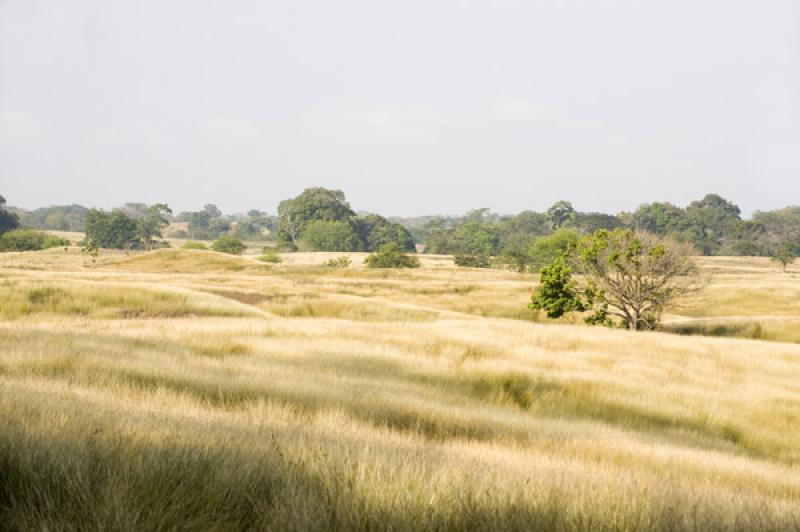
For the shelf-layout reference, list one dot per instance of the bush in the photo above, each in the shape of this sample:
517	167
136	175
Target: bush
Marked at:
27	240
270	255
391	256
339	262
228	244
473	261
193	244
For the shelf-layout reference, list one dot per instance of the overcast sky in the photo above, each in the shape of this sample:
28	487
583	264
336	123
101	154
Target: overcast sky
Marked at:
410	107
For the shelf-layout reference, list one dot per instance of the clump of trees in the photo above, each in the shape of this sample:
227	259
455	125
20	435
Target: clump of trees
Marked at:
29	240
713	225
228	244
391	255
111	230
55	218
320	219
120	230
626	278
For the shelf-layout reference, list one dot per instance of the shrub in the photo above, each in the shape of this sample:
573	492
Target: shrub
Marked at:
339	262
473	261
391	256
27	240
228	244
193	244
270	255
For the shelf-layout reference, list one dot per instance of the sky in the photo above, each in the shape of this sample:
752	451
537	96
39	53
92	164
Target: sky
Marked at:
413	107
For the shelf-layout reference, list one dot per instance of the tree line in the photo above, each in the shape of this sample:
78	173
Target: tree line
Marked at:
320	219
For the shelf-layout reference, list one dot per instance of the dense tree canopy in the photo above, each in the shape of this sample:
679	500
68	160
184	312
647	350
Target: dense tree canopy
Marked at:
56	218
375	231
321	219
111	230
329	235
313	204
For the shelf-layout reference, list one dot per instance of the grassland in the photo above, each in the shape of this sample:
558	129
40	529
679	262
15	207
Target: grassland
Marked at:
187	390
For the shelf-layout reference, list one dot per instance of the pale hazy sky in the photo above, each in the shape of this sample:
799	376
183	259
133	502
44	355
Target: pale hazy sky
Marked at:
409	106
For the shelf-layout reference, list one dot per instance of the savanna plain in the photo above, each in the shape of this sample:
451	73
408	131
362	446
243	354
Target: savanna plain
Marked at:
191	390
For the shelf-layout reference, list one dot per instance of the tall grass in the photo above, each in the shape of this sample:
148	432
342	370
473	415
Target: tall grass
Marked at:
238	400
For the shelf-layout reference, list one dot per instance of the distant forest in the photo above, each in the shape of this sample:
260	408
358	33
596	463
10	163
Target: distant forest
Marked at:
322	219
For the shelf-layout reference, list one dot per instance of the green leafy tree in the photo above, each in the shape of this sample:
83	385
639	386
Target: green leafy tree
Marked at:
557	294
476	238
660	219
627	277
115	230
391	256
375	231
545	249
152	222
560	214
313	204
8	220
228	244
784	255
589	222
324	235
711	221
780	228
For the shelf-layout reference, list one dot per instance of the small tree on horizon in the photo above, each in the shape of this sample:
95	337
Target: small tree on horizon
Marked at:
784	255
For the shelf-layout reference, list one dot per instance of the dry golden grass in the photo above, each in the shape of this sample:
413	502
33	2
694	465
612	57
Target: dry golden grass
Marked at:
193	391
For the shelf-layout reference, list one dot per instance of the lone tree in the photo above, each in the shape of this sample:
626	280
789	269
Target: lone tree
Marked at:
784	255
625	277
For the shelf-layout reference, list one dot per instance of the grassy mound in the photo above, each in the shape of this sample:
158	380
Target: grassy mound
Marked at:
185	261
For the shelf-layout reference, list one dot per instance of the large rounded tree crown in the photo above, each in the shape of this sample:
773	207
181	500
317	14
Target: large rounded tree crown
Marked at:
314	204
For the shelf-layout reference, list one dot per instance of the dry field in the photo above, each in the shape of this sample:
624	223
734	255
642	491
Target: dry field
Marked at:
189	390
